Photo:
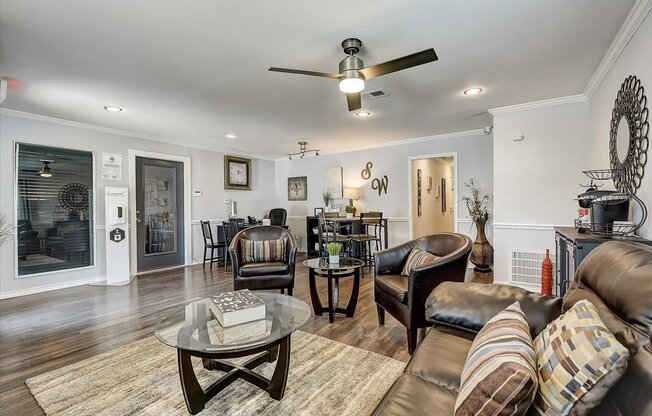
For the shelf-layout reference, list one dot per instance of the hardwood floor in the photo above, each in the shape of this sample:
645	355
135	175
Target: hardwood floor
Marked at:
42	332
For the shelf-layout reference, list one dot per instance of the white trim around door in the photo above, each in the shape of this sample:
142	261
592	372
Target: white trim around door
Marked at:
187	202
455	189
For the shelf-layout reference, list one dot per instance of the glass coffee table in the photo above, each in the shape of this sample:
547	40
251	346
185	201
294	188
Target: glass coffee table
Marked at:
194	332
320	267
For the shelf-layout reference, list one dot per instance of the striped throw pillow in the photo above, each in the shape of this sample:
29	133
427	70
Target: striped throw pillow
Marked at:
499	376
416	258
578	360
259	251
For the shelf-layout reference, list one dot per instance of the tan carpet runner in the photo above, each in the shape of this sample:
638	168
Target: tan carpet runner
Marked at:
326	378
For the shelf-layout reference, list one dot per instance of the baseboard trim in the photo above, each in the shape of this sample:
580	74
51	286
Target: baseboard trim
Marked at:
51	287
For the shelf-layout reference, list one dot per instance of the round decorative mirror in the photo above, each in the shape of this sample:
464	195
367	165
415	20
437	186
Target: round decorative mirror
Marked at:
622	139
628	138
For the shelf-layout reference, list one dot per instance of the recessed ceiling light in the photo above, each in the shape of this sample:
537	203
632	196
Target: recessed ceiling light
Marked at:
363	114
112	108
473	91
230	136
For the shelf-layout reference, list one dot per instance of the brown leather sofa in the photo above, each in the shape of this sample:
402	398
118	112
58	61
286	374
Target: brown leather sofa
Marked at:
266	275
616	277
404	297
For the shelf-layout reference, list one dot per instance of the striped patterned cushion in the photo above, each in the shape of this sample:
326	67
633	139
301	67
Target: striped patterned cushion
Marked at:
258	251
416	258
578	360
499	376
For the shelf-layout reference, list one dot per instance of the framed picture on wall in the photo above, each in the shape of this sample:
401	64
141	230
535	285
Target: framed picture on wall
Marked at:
237	173
319	210
298	188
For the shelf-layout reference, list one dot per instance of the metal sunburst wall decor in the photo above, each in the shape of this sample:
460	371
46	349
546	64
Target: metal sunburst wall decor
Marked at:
74	197
631	105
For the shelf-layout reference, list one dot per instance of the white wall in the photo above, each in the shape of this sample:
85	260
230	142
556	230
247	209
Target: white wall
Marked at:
635	59
536	179
474	159
207	176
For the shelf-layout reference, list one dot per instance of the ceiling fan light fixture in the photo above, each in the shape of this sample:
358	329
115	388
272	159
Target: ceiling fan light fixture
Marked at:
473	91
352	82
46	171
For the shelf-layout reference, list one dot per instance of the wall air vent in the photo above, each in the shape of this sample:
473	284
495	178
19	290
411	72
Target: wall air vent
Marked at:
371	95
525	267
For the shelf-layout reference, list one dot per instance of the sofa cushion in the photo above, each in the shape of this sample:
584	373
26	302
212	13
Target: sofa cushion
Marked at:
578	361
394	285
262	251
258	269
416	258
414	396
440	357
469	306
499	376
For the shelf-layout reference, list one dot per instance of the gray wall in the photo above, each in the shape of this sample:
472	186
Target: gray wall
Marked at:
207	176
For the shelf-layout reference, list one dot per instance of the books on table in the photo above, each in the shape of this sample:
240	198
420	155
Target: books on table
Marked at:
234	308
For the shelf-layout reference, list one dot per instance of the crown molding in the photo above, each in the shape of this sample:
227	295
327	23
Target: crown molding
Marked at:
627	31
453	135
578	98
126	133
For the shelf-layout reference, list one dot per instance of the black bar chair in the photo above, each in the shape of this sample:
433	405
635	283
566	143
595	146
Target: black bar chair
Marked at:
369	234
229	230
209	243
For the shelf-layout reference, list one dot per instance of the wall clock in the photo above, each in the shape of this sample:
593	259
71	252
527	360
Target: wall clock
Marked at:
237	173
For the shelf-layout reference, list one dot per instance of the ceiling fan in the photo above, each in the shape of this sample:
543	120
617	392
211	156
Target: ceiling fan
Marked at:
45	170
353	74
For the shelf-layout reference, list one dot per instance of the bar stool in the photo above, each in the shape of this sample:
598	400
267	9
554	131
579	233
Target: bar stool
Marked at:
370	232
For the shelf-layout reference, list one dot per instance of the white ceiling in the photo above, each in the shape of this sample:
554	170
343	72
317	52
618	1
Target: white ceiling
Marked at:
190	72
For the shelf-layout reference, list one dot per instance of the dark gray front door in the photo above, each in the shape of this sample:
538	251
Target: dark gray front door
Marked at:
159	213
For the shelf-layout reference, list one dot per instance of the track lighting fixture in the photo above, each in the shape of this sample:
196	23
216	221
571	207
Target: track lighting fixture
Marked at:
303	150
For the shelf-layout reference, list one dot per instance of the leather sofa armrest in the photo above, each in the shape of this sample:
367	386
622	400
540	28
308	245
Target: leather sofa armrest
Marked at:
468	306
391	260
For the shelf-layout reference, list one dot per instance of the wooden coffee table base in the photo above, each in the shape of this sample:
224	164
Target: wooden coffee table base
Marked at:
196	397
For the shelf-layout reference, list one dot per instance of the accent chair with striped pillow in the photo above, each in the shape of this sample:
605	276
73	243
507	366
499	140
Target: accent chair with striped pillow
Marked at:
499	376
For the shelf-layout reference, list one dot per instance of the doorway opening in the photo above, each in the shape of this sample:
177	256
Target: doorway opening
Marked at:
433	195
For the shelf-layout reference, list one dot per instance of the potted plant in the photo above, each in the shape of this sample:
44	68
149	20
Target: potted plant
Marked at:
327	197
6	229
350	211
482	255
333	250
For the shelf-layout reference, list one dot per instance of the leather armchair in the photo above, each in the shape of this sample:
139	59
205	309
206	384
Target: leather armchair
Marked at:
404	297
264	275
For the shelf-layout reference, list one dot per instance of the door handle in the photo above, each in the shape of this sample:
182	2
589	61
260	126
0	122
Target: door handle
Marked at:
138	219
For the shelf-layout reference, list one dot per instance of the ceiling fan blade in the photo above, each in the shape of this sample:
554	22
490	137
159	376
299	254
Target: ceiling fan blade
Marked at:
302	72
354	101
400	64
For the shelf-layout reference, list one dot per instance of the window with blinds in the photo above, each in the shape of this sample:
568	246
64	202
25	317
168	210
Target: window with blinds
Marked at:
54	209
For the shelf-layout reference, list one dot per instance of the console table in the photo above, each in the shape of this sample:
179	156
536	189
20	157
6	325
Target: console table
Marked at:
571	248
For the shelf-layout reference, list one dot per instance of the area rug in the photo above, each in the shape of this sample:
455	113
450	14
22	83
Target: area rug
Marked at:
326	378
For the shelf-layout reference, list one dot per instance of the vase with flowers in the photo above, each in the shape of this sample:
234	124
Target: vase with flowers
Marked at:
482	255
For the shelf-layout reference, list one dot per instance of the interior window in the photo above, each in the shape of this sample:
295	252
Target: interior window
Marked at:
54	209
